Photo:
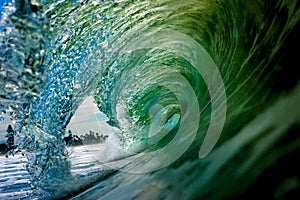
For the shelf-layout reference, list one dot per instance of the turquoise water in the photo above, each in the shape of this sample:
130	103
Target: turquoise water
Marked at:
204	93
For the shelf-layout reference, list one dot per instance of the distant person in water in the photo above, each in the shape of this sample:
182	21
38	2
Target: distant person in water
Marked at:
71	140
68	138
77	140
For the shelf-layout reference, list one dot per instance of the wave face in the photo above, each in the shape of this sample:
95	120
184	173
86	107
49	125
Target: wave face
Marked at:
180	79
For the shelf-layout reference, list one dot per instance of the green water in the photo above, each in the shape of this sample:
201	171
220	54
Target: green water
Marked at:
205	90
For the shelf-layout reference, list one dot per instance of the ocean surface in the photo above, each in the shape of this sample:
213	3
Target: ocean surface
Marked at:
89	163
202	97
14	179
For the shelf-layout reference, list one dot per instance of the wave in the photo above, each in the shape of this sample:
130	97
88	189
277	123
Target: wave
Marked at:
179	79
